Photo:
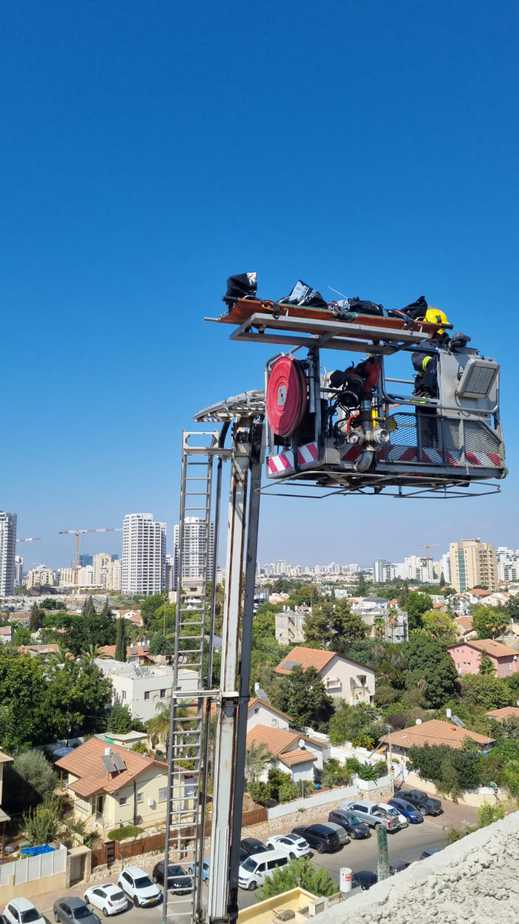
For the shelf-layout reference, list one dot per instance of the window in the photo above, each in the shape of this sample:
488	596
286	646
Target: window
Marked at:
163	794
123	800
140	797
127	878
123	694
147	694
162	694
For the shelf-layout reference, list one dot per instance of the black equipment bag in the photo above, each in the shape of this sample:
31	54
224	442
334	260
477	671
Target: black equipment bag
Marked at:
302	294
244	285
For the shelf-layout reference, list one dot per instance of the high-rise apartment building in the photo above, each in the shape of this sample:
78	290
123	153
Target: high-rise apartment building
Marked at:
41	576
7	553
507	565
198	549
383	571
18	570
144	554
472	564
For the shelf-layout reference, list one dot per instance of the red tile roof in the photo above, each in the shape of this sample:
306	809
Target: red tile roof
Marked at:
489	647
506	712
305	658
434	732
86	762
280	742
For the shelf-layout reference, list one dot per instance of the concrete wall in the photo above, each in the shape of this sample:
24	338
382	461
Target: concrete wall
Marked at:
474	881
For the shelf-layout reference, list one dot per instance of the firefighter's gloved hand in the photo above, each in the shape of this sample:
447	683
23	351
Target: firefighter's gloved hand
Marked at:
458	341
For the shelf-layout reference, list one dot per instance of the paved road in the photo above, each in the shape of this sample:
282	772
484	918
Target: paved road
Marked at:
359	855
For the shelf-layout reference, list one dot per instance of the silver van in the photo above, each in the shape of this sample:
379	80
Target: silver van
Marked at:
341	832
254	870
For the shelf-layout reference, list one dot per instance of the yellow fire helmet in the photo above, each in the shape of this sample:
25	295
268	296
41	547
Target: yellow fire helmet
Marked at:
436	316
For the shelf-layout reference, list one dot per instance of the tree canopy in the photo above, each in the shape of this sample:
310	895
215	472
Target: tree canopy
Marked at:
416	604
334	626
302	873
490	621
440	626
303	696
430	669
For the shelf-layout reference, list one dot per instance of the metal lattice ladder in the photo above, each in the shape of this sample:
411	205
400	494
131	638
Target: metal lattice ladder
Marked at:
192	696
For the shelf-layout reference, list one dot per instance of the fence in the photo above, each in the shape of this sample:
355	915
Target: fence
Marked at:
27	869
122	850
375	790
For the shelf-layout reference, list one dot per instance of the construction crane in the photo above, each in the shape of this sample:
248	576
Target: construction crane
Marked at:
77	533
30	539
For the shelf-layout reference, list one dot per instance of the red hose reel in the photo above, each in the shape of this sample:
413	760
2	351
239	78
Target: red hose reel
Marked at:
286	397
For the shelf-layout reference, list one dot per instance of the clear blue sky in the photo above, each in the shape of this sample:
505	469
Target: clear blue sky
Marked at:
149	150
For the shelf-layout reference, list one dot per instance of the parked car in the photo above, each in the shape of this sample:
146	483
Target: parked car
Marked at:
428	805
109	898
398	867
139	888
320	837
363	879
250	845
341	832
22	911
292	844
373	815
71	909
255	869
205	870
429	852
351	824
392	811
179	880
413	814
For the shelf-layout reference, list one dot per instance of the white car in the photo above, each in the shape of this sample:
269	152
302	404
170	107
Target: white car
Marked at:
292	844
22	911
109	898
139	888
391	810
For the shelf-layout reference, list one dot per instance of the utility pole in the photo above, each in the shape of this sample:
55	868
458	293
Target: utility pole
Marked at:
383	854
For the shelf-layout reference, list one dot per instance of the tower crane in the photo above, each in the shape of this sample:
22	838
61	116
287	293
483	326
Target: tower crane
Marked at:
30	539
77	533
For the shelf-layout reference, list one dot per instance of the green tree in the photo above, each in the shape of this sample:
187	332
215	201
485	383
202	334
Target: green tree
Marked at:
257	760
23	718
36	620
92	629
303	696
149	606
512	608
486	691
358	724
88	609
440	626
305	595
302	873
333	626
489	621
76	698
161	645
158	726
288	790
416	604
51	604
486	665
335	774
120	719
120	640
37	774
21	636
429	668
43	823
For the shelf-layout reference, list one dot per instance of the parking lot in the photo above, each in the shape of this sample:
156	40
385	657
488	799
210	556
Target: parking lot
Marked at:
405	845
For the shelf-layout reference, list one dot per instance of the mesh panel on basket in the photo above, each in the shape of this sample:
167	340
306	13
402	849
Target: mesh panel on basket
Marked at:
405	432
479	438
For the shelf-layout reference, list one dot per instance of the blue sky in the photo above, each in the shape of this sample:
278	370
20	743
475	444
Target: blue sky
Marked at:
150	150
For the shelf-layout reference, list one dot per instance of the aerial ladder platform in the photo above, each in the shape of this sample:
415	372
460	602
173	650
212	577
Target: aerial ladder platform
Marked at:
299	436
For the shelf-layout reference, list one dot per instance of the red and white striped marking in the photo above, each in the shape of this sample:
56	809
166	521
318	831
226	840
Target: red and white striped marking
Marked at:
307	453
485	459
281	464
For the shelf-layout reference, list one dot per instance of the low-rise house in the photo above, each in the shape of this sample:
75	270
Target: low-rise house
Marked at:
110	786
343	678
290	625
434	732
6	633
135	654
467	657
292	752
142	688
40	651
464	627
383	618
504	714
261	712
4	817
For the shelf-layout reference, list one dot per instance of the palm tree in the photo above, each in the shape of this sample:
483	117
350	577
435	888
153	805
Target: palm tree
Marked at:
257	760
158	726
